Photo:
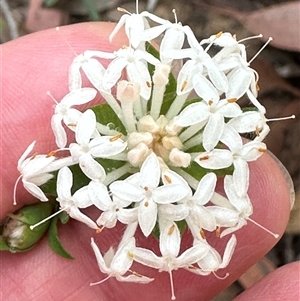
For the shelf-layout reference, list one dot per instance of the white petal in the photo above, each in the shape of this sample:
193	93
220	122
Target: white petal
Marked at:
224	217
150	172
85	127
205	189
230	109
241	176
211	261
114	71
79	97
35	191
58	131
205	89
127	191
169	239
134	278
217	77
169	193
127	216
64	183
231	138
147	215
101	263
91	168
94	72
216	159
239	82
81	198
174	212
75	81
76	214
228	252
104	147
213	131
25	154
253	150
193	114
148	258
99	195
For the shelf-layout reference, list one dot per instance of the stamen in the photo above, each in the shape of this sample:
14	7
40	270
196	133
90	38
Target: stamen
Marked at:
171	230
219	34
262	150
15	189
261	49
202	233
175	15
282	118
260	226
146	204
232	100
68	43
148	84
218	231
210	102
250	38
52	97
206	157
168	179
47	218
99	230
72	124
51	154
135	273
116	137
131	256
183	86
172	286
99	282
221	278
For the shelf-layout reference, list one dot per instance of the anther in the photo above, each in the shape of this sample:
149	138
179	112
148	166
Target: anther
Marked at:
262	150
52	153
148	84
218	231
171	230
183	86
232	100
168	179
219	34
206	157
202	233
99	230
210	102
146	204
116	137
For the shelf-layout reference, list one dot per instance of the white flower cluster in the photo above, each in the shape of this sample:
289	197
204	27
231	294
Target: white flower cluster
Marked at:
153	187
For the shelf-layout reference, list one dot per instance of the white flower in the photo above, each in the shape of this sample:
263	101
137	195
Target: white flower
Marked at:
34	172
117	264
211	114
169	244
92	68
238	155
212	261
143	187
69	203
135	25
87	148
64	112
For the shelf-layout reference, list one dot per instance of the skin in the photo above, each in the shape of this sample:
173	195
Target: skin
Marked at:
39	62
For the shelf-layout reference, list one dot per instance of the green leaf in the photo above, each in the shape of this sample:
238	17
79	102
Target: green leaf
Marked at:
3	245
54	241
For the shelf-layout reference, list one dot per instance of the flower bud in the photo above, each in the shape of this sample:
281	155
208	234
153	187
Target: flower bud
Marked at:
17	234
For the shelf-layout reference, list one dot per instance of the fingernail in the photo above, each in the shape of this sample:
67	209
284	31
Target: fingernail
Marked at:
287	177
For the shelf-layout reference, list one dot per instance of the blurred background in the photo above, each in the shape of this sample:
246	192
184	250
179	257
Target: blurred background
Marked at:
278	66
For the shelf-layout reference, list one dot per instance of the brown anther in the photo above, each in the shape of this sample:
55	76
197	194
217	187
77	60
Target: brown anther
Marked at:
202	233
206	157
124	47
183	86
232	100
146	188
210	102
146	204
171	230
72	124
218	231
257	87
219	34
130	255
262	150
116	137
52	153
99	230
148	84
168	179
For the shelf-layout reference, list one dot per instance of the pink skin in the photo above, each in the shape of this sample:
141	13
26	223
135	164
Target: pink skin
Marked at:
39	62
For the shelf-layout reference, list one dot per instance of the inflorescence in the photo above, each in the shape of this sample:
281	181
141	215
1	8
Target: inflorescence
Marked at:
165	148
